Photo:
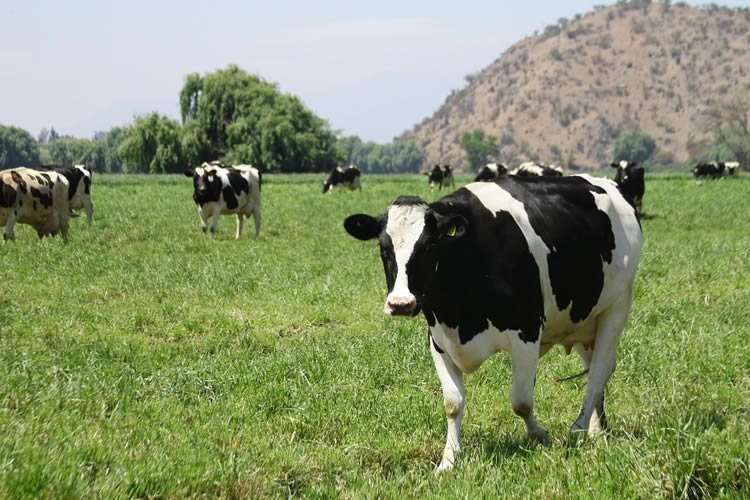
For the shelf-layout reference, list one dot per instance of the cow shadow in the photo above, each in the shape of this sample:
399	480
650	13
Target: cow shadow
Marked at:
496	449
649	216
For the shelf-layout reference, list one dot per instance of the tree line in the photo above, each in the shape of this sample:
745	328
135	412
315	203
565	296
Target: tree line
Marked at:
228	115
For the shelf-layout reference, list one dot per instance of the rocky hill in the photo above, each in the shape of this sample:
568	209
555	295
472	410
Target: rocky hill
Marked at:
564	95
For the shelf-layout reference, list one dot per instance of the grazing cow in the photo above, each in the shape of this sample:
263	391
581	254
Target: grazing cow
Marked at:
711	170
440	176
629	179
520	265
531	169
491	171
36	198
343	176
79	192
220	190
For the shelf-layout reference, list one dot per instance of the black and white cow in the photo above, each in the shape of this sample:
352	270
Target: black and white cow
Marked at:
520	265
33	197
440	176
490	172
712	170
79	191
219	190
531	169
343	177
629	179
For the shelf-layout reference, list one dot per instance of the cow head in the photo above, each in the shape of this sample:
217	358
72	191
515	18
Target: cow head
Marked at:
206	183
624	170
411	235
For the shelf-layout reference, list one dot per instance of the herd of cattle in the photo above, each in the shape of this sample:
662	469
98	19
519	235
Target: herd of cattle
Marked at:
531	260
44	197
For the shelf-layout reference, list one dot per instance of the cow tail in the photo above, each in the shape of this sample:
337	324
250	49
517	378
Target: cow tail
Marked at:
577	375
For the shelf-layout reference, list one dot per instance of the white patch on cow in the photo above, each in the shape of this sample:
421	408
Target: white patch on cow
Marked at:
496	199
405	226
470	355
628	241
493	168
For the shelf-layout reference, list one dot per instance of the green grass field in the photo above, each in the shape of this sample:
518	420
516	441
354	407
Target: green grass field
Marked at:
143	359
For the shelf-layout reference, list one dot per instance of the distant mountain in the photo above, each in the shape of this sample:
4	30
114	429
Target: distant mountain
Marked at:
564	95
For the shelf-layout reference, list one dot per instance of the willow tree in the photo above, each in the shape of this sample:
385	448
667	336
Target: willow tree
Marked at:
241	118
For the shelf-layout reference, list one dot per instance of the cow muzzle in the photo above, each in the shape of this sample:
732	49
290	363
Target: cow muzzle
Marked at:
400	305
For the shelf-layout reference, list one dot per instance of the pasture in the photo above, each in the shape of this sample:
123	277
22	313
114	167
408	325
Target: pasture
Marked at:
143	359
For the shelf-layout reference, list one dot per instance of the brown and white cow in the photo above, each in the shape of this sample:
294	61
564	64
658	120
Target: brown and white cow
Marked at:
36	198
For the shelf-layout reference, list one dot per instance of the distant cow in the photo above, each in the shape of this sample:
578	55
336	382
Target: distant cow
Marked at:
343	177
711	170
519	264
219	190
629	179
491	171
440	176
731	168
79	191
36	198
531	169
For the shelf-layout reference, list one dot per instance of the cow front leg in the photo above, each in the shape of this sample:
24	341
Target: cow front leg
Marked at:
202	216
524	359
239	227
452	383
8	233
603	360
214	222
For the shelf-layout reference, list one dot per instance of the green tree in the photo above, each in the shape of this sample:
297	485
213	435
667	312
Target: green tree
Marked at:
479	148
112	142
398	157
152	144
69	151
17	148
634	146
241	118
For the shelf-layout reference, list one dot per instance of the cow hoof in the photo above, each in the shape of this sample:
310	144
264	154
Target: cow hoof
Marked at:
539	435
445	466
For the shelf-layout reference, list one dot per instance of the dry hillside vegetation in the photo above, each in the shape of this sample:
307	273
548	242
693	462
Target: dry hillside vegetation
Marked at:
563	96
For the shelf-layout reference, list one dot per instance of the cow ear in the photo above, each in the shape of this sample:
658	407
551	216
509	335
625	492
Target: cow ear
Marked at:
363	227
189	172
614	165
451	226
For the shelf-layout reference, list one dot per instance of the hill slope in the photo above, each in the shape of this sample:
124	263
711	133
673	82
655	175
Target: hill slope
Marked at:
564	96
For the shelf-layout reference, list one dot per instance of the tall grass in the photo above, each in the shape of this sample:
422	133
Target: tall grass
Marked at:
143	359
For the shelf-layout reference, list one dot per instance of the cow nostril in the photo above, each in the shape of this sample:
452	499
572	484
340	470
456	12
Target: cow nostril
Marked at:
400	306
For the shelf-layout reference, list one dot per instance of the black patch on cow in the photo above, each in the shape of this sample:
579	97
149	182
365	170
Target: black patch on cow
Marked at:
7	195
562	211
87	184
237	182
630	182
486	274
44	197
230	199
20	182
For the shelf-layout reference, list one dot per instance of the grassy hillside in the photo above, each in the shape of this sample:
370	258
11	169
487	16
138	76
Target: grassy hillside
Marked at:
145	360
564	94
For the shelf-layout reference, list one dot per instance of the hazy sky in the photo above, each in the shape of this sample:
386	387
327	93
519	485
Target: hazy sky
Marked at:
372	69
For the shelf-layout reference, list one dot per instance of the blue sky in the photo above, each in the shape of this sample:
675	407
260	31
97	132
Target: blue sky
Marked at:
372	69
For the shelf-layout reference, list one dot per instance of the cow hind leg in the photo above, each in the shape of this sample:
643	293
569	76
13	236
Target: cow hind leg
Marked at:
524	359
239	227
602	365
586	353
452	383
256	218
